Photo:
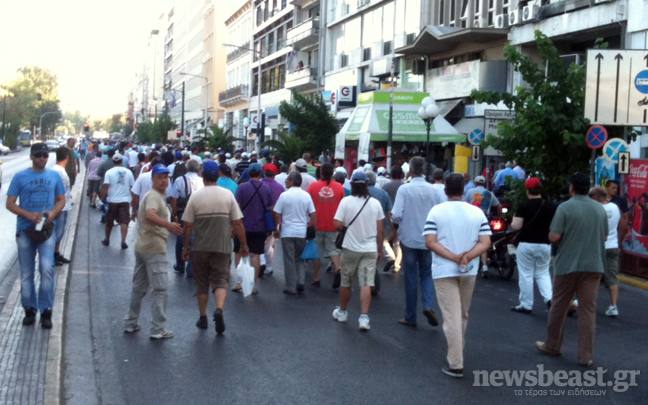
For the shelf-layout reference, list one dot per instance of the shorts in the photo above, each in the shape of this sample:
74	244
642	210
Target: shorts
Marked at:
94	186
255	241
363	263
326	244
210	269
612	266
119	212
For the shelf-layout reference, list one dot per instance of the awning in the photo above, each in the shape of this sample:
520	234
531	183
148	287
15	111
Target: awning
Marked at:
435	39
448	105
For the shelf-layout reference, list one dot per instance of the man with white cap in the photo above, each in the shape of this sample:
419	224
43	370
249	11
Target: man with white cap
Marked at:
302	168
347	183
116	189
381	178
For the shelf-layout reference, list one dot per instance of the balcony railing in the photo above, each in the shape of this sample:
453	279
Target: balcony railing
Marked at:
233	94
302	78
304	34
238	52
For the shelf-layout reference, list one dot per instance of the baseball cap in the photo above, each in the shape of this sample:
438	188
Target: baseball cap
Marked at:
271	167
159	168
359	177
208	154
117	157
301	163
580	180
38	147
245	155
228	155
210	168
368	166
255	167
535	182
225	169
481	180
254	152
178	155
341	170
381	170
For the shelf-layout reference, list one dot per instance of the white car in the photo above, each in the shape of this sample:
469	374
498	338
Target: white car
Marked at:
4	150
52	145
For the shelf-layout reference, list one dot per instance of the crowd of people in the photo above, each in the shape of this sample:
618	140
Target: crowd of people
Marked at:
221	206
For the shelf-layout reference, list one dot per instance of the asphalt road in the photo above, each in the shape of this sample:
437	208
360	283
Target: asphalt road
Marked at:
280	349
11	164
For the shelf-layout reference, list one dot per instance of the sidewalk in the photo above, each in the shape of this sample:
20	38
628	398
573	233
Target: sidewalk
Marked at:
31	357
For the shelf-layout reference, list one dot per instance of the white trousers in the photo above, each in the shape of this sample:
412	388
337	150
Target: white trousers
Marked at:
533	263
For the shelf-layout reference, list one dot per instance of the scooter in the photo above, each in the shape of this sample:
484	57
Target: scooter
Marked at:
501	254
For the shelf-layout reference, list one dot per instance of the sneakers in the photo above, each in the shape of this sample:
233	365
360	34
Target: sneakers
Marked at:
388	266
337	280
237	287
484	271
363	322
453	372
132	329
30	316
542	348
341	316
46	319
165	334
202	322
612	311
431	317
220	321
59	258
520	309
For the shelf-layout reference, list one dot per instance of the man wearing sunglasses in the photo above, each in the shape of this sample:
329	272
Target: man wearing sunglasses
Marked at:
42	197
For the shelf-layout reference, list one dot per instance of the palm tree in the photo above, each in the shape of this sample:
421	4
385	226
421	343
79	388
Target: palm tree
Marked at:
286	146
222	138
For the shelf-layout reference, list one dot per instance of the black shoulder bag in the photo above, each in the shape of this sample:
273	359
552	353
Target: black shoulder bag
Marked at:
516	239
181	202
340	237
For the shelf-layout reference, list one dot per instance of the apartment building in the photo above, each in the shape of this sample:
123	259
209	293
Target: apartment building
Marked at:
305	38
214	61
235	98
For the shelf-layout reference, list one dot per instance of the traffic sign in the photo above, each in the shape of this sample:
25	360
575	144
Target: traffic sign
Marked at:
616	88
612	149
476	136
596	137
476	153
624	162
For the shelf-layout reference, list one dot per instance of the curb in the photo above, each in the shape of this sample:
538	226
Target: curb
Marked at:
633	281
54	361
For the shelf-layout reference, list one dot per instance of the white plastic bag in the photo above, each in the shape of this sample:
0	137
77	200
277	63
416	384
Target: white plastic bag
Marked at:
245	272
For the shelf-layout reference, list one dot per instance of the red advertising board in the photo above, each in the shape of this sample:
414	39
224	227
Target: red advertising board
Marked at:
635	191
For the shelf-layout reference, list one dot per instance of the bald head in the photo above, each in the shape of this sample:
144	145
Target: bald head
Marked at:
598	193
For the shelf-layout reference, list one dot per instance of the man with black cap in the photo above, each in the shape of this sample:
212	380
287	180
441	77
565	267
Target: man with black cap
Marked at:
116	190
42	197
580	226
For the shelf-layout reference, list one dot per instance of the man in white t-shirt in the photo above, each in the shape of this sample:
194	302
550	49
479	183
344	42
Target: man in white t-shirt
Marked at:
611	247
62	157
116	189
439	187
363	216
457	233
293	210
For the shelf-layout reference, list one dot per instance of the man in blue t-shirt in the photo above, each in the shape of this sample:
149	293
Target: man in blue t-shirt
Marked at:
42	197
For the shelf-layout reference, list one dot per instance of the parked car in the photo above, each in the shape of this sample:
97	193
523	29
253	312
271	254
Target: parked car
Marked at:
4	150
52	145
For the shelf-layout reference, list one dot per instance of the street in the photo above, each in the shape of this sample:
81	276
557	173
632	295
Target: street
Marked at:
280	349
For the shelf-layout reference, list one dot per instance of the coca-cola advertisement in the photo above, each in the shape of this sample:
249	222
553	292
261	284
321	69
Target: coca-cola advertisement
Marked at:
635	191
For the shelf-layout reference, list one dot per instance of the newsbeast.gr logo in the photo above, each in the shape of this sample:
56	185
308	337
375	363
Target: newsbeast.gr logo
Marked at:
562	382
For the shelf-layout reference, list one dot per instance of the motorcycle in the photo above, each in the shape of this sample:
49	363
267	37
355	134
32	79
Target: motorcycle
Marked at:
501	254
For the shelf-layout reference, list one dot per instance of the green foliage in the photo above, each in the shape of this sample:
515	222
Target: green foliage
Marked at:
221	138
155	132
548	134
287	146
313	124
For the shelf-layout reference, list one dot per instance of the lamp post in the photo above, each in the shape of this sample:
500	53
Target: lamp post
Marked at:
206	96
246	124
428	112
259	136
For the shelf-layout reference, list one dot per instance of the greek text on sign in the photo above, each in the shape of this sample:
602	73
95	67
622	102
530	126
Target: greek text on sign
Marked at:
616	89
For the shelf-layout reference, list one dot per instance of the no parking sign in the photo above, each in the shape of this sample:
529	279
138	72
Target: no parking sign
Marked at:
596	137
613	147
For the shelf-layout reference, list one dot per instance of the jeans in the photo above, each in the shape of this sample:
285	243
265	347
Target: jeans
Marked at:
27	257
533	263
417	264
59	228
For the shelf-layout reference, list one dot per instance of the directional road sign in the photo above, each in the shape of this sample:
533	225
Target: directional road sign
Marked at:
612	149
596	137
616	88
476	153
476	136
624	162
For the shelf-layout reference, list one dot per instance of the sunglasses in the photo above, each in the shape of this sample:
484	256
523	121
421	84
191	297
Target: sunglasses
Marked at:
40	154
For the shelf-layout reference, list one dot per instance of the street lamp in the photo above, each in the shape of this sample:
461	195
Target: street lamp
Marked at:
259	135
246	124
206	94
428	112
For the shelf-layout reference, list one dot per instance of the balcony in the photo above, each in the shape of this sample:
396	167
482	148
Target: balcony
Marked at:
304	35
302	3
233	96
303	79
238	52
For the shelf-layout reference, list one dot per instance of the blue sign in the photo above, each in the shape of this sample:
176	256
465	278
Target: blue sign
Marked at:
641	81
596	137
476	136
613	147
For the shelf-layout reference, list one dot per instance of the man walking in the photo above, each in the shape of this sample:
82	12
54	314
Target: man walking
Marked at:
42	197
73	166
94	180
62	157
293	211
580	226
457	233
150	257
116	190
209	214
413	203
484	199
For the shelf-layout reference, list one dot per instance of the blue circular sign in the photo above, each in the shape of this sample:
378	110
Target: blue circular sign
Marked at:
596	137
476	136
613	147
641	81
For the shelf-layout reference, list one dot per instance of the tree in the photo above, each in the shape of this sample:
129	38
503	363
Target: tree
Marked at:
311	122
221	139
156	131
548	133
287	146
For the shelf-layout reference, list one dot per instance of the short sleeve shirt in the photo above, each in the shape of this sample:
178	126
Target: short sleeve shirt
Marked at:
120	180
536	230
295	206
212	210
361	235
254	198
326	198
66	183
481	198
152	239
36	192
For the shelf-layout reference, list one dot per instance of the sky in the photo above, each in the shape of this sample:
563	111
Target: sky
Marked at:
93	47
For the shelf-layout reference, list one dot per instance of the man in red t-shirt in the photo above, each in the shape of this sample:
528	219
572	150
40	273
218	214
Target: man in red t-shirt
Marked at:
326	195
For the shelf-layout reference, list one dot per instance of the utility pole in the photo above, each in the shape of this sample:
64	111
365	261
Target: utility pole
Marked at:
183	110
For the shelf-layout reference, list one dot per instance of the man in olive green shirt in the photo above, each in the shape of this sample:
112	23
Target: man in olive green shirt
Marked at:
151	263
580	227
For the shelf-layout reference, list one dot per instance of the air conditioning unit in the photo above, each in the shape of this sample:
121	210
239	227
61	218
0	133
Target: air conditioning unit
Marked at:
501	21
514	17
530	13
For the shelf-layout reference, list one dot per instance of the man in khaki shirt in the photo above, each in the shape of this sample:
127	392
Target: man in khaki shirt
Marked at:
151	261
